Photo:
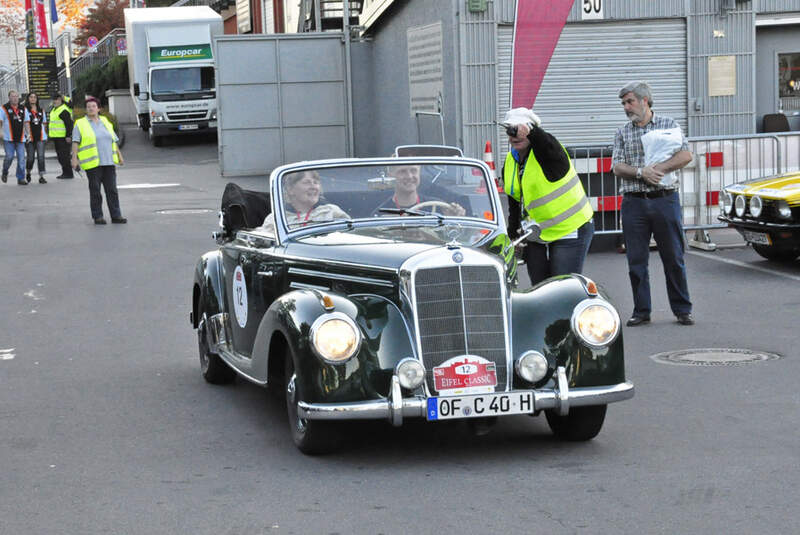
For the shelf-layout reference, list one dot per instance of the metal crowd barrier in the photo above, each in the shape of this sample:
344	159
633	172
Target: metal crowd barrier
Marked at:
719	161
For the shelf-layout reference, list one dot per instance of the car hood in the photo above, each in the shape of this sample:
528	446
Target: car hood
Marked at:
786	187
378	248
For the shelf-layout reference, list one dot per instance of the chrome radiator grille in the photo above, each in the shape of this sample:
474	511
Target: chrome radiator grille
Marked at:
185	116
460	312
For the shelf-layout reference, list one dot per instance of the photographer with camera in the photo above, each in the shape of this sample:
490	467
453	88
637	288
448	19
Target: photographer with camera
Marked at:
548	211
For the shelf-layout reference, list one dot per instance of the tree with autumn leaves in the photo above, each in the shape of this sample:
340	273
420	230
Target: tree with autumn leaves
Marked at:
101	18
97	20
12	16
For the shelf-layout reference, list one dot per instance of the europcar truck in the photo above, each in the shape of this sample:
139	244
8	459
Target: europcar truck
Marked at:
171	69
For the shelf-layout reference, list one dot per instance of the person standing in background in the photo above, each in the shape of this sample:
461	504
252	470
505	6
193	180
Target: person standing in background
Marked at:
650	208
94	148
60	131
16	128
34	148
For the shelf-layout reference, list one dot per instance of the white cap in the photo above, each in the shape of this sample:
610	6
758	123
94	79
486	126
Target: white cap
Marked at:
520	116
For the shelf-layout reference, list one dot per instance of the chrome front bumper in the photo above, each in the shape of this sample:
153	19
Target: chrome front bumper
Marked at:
397	407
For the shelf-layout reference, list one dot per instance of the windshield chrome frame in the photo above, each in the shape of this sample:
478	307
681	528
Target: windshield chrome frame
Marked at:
284	234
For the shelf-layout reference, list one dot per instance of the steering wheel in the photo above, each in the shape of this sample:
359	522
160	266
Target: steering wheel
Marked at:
433	205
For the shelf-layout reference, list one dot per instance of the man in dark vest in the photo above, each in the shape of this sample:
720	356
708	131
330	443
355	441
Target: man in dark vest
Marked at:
60	130
16	128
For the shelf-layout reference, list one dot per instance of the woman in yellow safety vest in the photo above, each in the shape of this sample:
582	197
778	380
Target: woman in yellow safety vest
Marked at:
543	188
94	148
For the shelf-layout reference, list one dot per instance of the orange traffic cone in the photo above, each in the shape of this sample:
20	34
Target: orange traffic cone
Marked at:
488	159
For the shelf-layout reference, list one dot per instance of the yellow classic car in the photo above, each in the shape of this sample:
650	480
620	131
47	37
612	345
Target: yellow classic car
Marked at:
766	212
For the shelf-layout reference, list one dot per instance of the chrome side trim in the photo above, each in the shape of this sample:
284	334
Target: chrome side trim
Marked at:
417	406
304	286
340	276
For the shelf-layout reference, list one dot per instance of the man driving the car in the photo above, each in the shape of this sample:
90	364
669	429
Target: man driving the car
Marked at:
406	195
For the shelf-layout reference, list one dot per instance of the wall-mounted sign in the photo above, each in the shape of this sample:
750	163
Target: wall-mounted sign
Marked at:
591	9
425	80
721	76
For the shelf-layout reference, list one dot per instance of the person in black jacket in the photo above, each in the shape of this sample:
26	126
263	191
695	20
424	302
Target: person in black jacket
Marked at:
34	147
544	189
60	131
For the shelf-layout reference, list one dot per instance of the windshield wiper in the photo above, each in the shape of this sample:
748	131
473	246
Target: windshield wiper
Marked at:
406	211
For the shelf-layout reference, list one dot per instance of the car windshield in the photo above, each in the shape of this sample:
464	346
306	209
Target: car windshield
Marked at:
433	192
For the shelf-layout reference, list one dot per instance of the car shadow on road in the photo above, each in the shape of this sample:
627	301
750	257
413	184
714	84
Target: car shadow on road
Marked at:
378	442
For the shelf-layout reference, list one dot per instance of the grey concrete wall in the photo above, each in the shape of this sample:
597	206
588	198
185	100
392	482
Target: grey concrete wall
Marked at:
384	121
120	104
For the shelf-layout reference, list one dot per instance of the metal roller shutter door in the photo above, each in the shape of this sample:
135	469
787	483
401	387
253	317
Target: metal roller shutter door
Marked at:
578	98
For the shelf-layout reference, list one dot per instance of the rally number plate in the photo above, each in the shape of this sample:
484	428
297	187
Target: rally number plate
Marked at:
188	127
759	238
451	407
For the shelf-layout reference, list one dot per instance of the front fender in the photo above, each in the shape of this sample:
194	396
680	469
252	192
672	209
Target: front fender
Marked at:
541	321
385	341
209	287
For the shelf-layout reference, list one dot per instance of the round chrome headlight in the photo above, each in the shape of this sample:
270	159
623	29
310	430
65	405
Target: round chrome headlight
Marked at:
531	366
756	206
410	372
726	202
595	322
739	205
784	210
334	337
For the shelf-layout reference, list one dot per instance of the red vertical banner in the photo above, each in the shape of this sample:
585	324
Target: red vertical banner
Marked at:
537	27
30	37
41	26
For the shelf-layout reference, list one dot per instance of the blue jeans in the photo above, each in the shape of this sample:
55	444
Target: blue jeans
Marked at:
661	218
560	257
14	148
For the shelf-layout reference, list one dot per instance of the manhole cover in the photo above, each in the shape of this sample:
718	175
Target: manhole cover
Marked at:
184	211
713	357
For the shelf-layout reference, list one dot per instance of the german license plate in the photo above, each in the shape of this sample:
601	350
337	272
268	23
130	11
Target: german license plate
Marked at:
187	127
451	407
759	238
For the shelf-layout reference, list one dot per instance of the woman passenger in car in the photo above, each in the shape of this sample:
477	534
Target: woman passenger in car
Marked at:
301	193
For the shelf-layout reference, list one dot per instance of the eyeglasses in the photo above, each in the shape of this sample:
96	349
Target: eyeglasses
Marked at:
511	131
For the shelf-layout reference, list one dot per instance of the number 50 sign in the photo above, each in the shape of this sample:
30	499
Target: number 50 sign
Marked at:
591	9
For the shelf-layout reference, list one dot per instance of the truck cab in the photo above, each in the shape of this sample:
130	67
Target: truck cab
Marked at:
171	68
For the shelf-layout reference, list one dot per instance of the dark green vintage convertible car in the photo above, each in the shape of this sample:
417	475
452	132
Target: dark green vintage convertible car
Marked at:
387	289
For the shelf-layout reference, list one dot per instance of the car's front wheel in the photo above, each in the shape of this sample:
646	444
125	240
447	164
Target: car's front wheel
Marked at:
778	255
582	423
310	436
214	369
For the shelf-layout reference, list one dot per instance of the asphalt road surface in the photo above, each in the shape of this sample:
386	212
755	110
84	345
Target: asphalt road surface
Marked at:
106	425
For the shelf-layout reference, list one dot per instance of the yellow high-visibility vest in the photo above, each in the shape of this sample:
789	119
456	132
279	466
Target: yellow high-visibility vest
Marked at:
559	207
56	127
88	155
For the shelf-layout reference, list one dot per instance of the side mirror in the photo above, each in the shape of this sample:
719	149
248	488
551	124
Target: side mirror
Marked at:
530	229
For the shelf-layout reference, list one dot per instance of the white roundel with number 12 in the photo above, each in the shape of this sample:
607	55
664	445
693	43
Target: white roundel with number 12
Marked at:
239	297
